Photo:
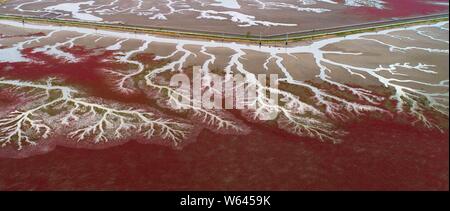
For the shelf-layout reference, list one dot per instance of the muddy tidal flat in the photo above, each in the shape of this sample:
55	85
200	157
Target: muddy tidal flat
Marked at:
95	109
228	16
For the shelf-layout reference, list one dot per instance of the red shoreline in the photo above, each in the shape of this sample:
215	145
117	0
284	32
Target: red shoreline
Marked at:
379	155
401	8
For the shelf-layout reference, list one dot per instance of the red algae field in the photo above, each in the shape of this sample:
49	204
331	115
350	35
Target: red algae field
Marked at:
87	109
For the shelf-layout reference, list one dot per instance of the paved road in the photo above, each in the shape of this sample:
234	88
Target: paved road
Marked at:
375	24
295	36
